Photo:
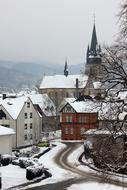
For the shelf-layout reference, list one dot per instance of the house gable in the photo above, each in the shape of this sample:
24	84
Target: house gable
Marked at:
68	109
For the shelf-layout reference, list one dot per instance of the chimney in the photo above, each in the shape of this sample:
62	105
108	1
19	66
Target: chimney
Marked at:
77	86
4	96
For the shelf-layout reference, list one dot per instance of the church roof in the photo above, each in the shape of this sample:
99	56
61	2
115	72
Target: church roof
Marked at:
61	81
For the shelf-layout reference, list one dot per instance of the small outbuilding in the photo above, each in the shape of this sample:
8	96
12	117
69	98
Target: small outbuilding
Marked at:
6	140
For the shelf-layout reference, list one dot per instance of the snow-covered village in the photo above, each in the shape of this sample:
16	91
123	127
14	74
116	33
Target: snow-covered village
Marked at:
63	122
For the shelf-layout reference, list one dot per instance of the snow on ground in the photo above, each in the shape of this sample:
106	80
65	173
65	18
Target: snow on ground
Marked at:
95	186
58	174
73	159
12	175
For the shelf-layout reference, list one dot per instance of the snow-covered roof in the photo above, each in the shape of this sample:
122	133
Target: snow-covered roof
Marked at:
6	131
97	132
44	102
83	106
13	105
97	84
61	81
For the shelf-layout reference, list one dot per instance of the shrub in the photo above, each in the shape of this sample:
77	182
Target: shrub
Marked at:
5	159
43	144
25	162
34	171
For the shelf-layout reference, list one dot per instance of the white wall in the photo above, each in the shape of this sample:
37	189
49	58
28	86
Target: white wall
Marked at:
6	144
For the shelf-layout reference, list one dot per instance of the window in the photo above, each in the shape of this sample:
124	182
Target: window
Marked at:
31	115
28	104
82	130
25	115
31	136
71	131
66	131
25	126
67	95
31	125
69	119
25	137
2	115
82	119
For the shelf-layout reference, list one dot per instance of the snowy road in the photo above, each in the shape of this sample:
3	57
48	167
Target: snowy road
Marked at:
79	176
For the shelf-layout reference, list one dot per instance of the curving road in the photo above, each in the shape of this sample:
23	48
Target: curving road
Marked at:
61	160
81	177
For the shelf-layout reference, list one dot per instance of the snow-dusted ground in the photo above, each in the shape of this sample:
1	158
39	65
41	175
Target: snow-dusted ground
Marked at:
13	175
58	174
73	159
94	186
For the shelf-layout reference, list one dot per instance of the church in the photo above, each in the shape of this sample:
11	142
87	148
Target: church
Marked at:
63	86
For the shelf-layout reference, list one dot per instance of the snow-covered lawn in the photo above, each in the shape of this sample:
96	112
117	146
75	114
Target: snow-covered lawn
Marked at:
12	175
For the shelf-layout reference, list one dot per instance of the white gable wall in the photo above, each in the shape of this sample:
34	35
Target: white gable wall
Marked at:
25	131
10	122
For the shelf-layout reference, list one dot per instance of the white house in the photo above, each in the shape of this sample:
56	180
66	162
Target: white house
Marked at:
20	114
6	140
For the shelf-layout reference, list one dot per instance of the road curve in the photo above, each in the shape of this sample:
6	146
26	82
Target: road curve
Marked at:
62	161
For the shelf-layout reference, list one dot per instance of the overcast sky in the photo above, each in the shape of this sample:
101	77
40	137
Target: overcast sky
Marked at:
50	30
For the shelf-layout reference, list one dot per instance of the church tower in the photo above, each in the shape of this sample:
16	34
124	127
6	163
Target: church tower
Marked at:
93	57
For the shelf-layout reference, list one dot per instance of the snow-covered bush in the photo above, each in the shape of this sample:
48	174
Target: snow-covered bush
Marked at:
34	171
25	162
6	159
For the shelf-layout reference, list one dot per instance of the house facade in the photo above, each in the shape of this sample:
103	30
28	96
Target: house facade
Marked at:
29	116
76	118
20	115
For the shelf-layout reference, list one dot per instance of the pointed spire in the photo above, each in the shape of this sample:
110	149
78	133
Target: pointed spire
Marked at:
87	53
66	72
93	41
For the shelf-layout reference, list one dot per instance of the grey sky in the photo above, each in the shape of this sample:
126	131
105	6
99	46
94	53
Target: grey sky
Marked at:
50	30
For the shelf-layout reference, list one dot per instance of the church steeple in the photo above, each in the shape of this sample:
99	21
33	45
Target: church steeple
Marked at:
87	53
93	47
66	72
93	53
